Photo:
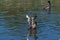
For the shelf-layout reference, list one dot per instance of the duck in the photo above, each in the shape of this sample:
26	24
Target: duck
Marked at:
47	7
32	22
32	30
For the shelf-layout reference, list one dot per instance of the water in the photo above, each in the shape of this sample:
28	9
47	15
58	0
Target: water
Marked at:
15	26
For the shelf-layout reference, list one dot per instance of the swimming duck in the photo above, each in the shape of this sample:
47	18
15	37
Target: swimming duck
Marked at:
32	30
47	7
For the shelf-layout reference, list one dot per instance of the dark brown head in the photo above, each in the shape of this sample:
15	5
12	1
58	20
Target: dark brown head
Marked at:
49	2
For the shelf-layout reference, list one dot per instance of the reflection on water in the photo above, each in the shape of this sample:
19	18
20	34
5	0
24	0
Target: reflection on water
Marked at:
14	26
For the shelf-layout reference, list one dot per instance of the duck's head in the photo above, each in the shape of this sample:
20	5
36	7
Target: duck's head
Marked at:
49	2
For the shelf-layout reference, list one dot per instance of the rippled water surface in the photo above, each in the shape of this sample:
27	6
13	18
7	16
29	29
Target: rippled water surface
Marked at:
15	26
